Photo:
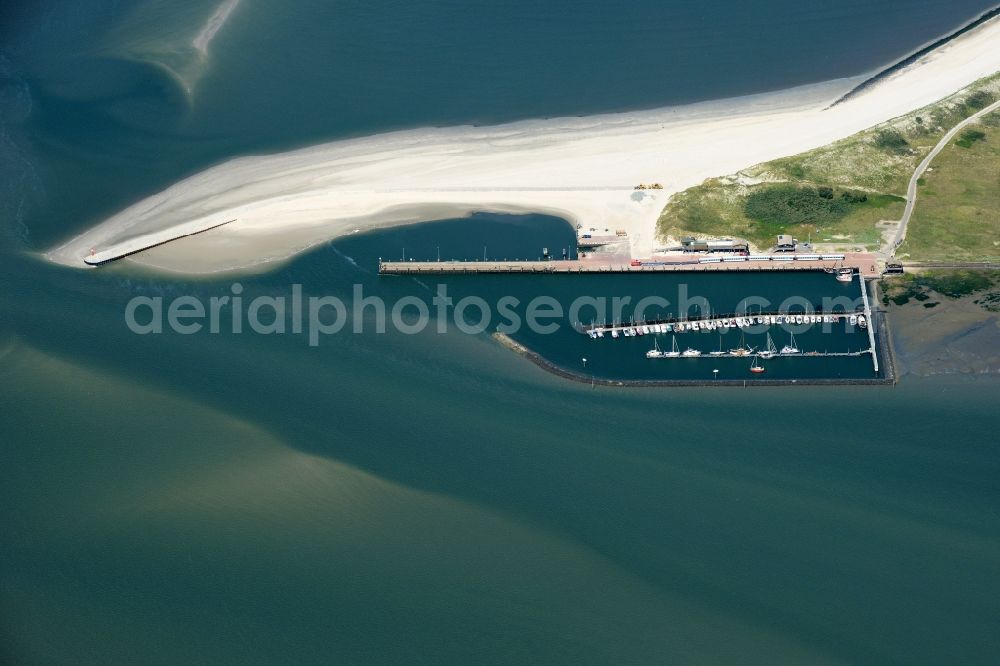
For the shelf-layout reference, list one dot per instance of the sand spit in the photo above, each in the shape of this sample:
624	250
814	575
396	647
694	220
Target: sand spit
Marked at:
583	169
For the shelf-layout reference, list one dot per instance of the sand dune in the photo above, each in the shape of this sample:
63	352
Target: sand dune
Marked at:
581	168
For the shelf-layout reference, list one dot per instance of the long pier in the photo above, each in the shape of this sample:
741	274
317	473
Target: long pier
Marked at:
863	264
148	241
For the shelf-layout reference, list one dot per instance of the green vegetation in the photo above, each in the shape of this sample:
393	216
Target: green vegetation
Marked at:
893	141
784	208
980	99
761	212
839	193
969	137
957	215
948	283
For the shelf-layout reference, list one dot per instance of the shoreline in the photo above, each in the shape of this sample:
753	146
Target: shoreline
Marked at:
953	337
928	48
582	169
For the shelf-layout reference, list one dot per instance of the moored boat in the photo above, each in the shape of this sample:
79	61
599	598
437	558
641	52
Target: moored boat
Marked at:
771	350
674	350
790	348
743	349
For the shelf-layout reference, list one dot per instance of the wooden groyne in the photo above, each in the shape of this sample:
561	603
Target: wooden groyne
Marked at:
141	243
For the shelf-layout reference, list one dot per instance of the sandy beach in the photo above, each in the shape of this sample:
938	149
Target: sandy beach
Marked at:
583	169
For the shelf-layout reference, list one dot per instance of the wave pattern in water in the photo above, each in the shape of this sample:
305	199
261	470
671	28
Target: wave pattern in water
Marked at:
172	36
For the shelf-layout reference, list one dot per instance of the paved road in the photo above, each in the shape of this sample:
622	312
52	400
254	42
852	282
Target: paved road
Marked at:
911	191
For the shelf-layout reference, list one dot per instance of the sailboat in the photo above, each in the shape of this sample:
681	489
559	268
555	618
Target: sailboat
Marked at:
655	351
720	352
790	348
674	351
755	366
742	350
771	350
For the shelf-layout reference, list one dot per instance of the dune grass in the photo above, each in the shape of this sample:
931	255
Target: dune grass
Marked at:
781	196
957	216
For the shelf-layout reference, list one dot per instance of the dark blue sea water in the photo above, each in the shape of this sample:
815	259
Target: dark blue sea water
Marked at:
388	498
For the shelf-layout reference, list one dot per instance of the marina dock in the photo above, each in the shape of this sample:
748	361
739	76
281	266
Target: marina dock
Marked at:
871	323
724	323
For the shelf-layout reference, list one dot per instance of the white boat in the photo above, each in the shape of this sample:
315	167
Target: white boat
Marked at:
655	351
862	322
720	352
592	334
645	330
674	351
695	326
790	348
614	333
845	275
771	349
600	332
798	319
853	320
691	352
